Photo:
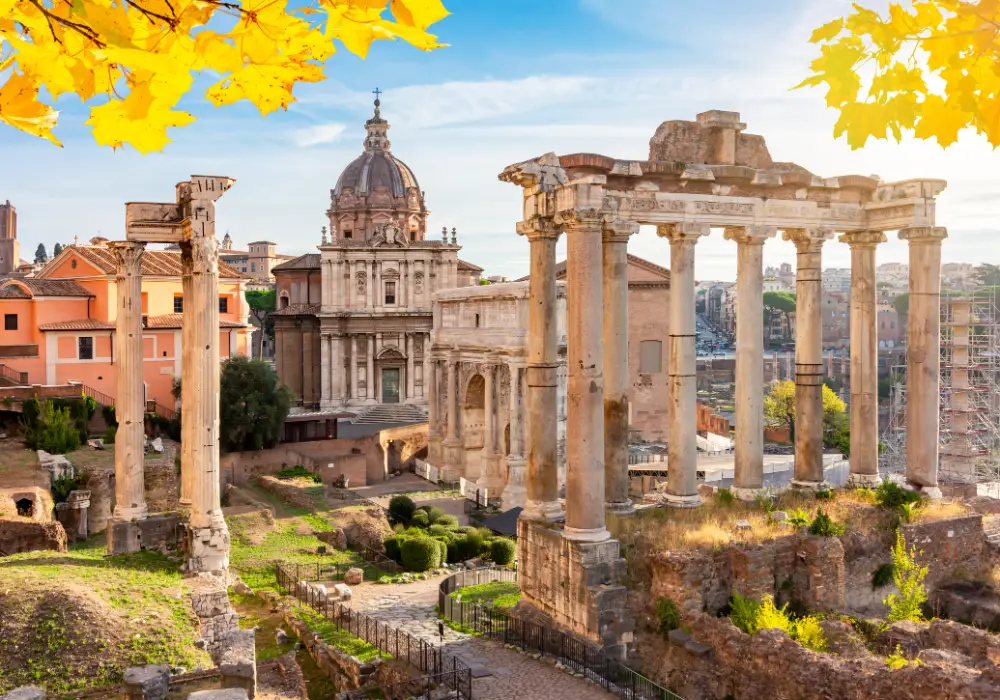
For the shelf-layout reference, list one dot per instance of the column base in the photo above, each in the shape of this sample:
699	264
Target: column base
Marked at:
208	549
811	486
594	534
491	479
134	513
622	509
675	501
513	497
931	492
545	511
864	481
747	494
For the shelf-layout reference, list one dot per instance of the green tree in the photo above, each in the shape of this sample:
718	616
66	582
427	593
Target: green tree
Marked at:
40	255
262	305
484	281
987	275
253	406
56	249
779	409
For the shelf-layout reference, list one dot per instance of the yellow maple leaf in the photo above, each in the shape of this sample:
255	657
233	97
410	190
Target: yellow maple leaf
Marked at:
940	120
861	120
827	31
20	108
419	14
139	120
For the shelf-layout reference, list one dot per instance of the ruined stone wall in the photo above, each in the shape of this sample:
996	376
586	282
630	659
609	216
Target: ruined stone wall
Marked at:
291	494
862	556
647	392
23	535
408	441
240	467
948	547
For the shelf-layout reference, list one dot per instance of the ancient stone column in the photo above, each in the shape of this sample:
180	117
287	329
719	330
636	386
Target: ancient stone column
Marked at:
808	356
682	445
923	357
514	493
336	369
585	384
490	478
370	371
326	371
209	537
452	442
543	363
864	357
187	369
410	371
433	412
615	277
130	406
749	457
355	360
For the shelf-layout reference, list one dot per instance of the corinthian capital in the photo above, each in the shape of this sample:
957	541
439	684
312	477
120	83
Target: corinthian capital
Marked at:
684	232
808	240
128	257
924	234
863	239
751	235
538	228
620	230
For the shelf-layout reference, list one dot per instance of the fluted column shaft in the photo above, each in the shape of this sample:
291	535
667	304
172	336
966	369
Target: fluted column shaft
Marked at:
426	378
585	384
514	493
682	444
410	368
808	356
615	288
188	368
130	409
542	373
336	369
489	437
370	370
923	356
749	457
453	398
326	371
356	363
864	357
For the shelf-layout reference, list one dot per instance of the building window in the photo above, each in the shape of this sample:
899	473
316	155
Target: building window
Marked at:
178	304
390	292
650	356
85	348
10	322
223	305
477	320
283	302
253	267
348	234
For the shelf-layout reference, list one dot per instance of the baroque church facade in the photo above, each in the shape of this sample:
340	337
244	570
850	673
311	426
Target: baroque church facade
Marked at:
353	323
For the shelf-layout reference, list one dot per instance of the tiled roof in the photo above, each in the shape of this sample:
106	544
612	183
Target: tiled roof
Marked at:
13	291
36	287
464	265
163	263
168	321
83	324
298	310
309	261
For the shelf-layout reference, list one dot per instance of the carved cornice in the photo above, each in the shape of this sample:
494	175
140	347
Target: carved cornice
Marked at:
863	239
749	235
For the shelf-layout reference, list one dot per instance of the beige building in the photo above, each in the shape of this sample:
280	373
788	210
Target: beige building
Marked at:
353	324
257	262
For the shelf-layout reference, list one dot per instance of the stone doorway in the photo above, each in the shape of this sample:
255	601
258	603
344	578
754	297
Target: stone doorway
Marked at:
25	507
390	384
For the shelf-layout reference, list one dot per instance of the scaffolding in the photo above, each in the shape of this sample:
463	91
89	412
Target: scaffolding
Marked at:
970	393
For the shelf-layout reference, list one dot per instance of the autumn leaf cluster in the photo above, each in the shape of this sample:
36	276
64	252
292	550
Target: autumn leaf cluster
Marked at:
929	66
133	60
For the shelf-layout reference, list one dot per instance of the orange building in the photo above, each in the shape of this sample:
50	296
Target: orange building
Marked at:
59	326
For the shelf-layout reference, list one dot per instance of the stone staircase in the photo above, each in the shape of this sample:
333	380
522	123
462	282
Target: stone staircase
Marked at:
991	528
391	413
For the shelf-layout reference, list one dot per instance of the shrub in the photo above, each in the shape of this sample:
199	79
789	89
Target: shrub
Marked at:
824	526
669	616
751	617
108	412
298	472
433	513
110	434
825	494
743	612
436	530
896	660
394	547
470	547
454	555
442	543
909	579
446	521
467	530
807	632
770	616
420	519
502	551
725	497
421	554
892	495
53	431
799	517
62	486
402	507
485	549
882	576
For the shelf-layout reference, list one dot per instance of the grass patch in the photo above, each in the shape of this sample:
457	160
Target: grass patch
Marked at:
495	594
76	620
329	633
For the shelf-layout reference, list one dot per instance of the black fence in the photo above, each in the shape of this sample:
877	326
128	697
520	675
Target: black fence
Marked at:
330	572
577	655
430	659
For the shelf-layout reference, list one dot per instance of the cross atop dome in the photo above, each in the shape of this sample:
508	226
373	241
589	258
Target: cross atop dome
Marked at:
377	128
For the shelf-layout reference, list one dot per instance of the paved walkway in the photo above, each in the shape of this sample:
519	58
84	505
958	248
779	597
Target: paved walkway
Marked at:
503	674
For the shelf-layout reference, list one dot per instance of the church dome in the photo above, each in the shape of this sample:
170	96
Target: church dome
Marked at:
374	169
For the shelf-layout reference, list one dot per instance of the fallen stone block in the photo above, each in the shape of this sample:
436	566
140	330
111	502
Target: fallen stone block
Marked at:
29	692
343	591
156	445
678	637
697	648
779	516
225	694
238	662
96	444
742	525
354	576
147	682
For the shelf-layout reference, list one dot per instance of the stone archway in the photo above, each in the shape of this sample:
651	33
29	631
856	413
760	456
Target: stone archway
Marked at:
473	425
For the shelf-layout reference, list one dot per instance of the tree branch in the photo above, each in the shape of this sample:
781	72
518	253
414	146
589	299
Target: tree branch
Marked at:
82	29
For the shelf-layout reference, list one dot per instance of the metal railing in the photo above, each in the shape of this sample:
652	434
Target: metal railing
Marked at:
577	655
160	410
98	396
403	646
18	377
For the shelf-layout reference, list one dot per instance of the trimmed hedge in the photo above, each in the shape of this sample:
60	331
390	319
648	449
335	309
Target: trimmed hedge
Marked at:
420	519
447	521
402	506
433	513
470	547
502	551
394	547
421	554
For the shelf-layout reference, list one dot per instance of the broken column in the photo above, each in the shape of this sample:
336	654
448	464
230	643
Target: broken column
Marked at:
749	457
864	358
188	368
543	363
682	444
923	357
808	356
615	277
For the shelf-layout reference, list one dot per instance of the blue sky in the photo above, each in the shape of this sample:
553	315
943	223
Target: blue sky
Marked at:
521	78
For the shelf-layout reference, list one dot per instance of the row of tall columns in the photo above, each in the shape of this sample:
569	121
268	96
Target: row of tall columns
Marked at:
341	381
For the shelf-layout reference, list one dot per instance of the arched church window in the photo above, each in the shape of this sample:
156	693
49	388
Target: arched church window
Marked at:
283	301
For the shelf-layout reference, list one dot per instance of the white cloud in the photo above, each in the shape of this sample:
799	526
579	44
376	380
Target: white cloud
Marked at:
317	134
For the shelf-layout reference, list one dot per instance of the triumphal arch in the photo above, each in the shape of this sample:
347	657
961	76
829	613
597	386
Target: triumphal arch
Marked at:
701	175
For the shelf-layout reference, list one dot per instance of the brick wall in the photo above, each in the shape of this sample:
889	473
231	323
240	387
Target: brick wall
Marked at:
946	546
710	422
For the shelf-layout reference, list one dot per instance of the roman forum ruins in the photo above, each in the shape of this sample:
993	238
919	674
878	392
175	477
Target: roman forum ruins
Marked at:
700	175
189	222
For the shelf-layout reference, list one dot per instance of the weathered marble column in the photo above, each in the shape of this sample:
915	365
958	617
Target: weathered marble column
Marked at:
370	371
615	288
187	369
490	477
864	357
130	407
355	360
749	457
585	385
326	371
433	412
923	357
808	356
542	370
682	444
514	493
336	369
452	442
410	365
209	543
425	377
